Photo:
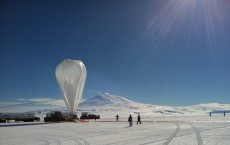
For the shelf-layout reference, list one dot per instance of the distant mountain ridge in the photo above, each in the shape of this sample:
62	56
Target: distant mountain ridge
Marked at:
107	103
105	99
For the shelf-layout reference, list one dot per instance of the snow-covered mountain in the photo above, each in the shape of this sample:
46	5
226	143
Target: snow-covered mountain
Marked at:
105	100
111	104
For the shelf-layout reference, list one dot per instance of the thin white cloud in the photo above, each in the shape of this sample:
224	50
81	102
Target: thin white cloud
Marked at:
94	91
32	104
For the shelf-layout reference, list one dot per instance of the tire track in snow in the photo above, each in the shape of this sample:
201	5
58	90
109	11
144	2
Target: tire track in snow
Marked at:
53	138
223	142
173	135
136	138
49	139
129	141
46	142
168	140
199	138
78	141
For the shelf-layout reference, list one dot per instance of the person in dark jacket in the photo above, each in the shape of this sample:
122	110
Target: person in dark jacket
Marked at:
117	118
130	120
138	119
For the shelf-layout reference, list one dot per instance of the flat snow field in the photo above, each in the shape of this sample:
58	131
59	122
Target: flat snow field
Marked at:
165	131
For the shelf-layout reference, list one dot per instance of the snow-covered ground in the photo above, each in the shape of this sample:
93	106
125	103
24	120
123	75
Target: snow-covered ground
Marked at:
163	125
194	130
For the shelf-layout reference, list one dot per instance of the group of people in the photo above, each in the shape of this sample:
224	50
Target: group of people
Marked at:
130	120
210	114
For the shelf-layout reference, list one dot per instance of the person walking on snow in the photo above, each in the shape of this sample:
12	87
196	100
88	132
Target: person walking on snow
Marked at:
117	118
138	119
130	120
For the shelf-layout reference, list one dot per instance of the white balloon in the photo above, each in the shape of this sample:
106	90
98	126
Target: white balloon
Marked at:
71	75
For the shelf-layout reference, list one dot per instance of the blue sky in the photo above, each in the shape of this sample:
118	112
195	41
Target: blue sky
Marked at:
165	52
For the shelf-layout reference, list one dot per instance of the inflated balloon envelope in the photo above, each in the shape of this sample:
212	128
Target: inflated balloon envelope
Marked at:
71	75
